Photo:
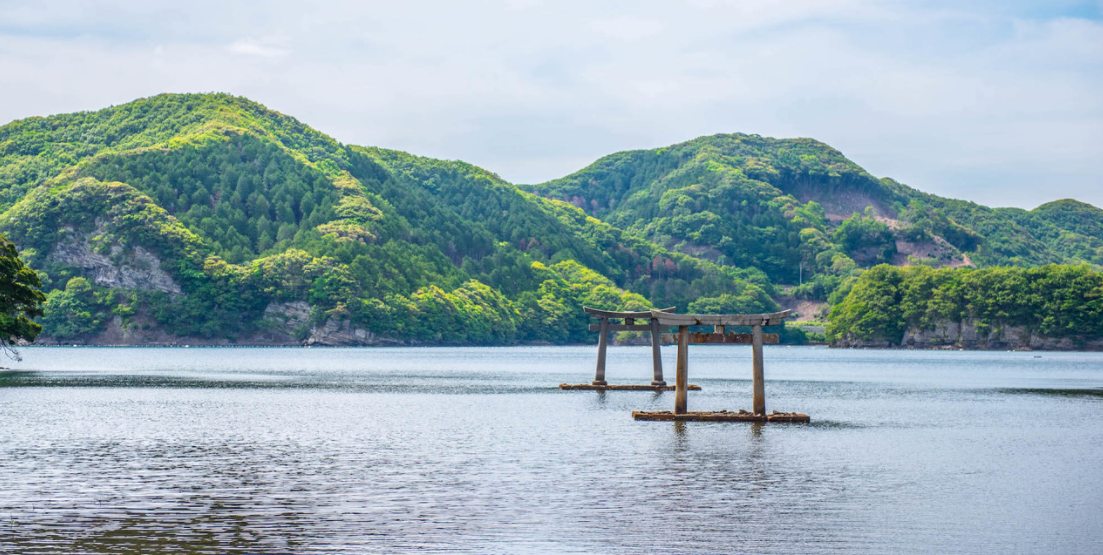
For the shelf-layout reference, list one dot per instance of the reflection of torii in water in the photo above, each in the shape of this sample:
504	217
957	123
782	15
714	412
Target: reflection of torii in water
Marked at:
605	326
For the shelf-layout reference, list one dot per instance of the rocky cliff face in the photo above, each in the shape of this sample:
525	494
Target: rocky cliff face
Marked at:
287	325
343	334
966	335
135	268
292	321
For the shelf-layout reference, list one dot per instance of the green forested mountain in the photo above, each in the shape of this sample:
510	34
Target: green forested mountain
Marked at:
209	216
1071	228
212	218
792	204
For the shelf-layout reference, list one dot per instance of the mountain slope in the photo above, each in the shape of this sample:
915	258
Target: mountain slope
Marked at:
211	217
797	207
1070	227
1074	216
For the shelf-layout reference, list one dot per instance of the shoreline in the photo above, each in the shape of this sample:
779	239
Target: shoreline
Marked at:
396	344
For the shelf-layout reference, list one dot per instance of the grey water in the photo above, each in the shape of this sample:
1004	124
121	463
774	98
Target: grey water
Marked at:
476	450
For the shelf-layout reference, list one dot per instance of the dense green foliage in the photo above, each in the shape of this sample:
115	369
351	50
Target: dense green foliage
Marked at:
35	150
723	197
243	196
78	309
865	239
20	299
1053	301
1072	228
464	210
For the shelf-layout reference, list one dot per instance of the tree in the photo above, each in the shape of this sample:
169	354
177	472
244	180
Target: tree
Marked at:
74	311
20	299
866	239
872	310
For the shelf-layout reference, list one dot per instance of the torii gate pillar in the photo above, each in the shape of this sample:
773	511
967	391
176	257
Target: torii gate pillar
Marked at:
681	396
759	387
602	339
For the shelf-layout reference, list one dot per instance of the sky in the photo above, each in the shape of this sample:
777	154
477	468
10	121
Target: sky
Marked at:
997	102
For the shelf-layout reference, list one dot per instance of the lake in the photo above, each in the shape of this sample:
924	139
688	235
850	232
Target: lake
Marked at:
380	450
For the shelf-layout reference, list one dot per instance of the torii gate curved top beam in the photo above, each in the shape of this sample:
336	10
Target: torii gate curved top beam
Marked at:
769	319
598	313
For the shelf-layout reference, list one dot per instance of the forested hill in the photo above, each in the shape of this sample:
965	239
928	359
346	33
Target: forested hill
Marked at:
782	205
209	218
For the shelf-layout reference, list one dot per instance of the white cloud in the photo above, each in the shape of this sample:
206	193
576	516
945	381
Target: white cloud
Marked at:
991	104
627	28
260	49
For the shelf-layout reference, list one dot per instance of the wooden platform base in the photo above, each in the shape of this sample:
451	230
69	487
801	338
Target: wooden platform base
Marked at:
722	416
592	387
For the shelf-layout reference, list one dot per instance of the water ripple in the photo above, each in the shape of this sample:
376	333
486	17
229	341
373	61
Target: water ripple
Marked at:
467	450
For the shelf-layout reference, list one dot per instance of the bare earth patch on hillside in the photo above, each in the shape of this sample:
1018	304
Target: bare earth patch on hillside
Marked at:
840	205
804	310
937	249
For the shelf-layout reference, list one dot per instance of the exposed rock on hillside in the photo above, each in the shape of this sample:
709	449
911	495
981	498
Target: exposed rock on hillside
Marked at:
341	333
289	323
135	269
966	335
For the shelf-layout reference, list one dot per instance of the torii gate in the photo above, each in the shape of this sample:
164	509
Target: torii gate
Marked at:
719	336
605	326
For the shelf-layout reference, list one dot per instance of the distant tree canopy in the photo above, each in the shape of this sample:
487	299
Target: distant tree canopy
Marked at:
77	310
866	239
1054	300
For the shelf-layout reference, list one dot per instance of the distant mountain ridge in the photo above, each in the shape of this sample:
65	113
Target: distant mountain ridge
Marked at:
213	219
776	204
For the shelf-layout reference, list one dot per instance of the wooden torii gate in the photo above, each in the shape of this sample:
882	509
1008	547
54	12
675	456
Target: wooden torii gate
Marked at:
604	326
719	336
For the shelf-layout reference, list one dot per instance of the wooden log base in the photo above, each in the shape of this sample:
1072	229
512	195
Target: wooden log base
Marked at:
592	387
722	416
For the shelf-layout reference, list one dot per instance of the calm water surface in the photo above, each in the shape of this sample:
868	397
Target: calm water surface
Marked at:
476	450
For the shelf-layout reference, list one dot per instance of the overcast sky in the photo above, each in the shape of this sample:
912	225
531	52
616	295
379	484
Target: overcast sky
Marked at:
999	102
